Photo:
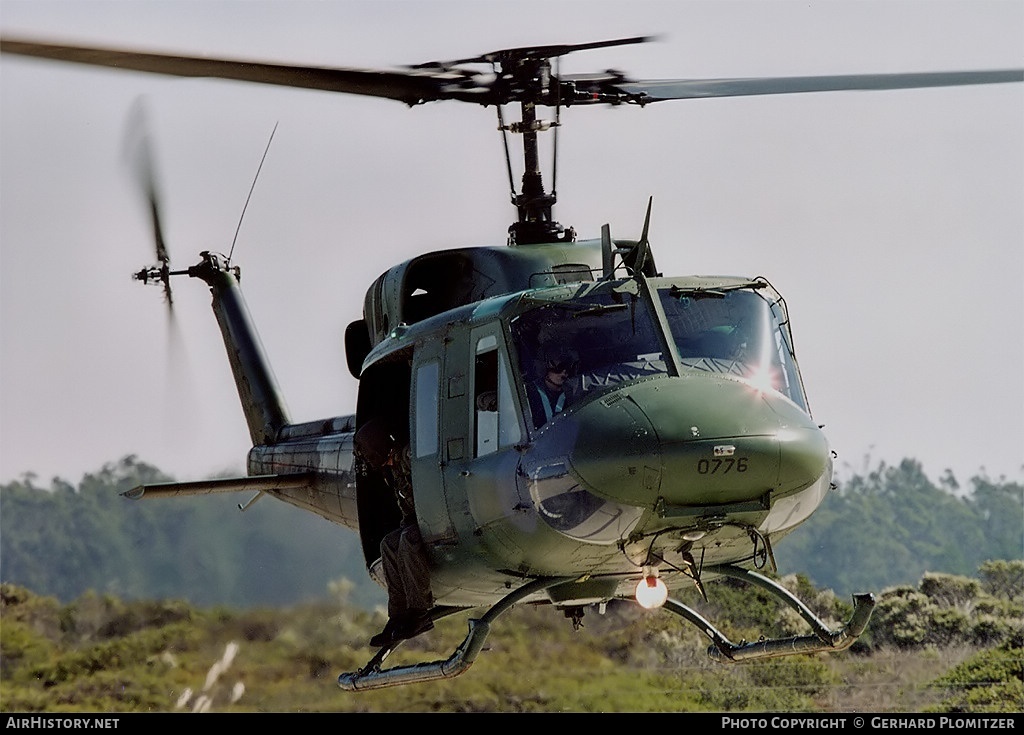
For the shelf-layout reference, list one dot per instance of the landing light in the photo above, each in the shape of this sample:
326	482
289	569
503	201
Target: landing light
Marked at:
651	592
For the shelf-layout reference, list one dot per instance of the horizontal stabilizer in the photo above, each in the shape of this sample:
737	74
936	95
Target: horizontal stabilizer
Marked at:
259	483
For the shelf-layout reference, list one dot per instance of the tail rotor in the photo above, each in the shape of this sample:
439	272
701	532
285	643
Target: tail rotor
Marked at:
139	155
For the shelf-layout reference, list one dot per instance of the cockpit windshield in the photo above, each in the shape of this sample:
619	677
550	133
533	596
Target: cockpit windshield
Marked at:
735	331
611	333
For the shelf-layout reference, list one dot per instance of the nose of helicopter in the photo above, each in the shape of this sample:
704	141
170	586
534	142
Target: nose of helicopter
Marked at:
695	440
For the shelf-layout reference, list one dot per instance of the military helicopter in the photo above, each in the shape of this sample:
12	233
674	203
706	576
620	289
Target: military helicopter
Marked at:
687	448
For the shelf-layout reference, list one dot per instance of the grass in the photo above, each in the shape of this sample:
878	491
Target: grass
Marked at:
165	658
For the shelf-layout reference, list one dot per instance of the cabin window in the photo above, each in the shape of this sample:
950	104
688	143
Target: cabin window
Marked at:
572	273
494	416
435	283
569	508
427	407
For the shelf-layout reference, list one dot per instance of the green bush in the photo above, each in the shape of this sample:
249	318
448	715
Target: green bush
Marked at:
134	649
22	649
991	681
1003	578
949	590
947	610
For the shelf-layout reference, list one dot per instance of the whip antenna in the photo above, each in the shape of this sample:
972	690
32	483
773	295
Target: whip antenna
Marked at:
251	189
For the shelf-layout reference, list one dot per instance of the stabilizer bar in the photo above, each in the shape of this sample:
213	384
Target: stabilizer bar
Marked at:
372	676
823	638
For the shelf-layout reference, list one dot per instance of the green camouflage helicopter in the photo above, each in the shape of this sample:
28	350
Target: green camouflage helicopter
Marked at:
684	449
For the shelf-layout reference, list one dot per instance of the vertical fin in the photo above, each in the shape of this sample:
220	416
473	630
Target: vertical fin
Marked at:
262	403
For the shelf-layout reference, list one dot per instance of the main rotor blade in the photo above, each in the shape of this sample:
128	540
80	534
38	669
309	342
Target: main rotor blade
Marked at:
657	90
411	87
443	81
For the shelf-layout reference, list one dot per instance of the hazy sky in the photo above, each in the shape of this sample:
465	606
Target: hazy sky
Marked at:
892	222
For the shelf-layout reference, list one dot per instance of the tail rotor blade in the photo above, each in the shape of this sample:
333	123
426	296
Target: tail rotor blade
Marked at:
139	154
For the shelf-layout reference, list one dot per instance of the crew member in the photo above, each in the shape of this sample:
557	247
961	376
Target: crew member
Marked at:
550	395
403	554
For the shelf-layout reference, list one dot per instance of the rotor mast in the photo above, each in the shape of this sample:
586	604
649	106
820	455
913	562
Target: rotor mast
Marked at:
533	203
531	77
524	75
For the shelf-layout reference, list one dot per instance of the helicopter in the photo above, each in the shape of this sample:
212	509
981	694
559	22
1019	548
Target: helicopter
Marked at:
689	448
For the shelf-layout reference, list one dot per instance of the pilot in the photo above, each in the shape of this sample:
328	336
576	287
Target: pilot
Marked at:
403	555
552	392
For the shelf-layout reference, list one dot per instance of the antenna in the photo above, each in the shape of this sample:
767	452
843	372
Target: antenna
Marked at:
251	189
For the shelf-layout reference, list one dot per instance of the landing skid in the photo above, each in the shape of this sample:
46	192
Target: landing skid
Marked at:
823	638
372	676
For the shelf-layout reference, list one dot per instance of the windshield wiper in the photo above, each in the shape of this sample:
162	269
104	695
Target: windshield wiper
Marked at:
699	292
583	308
598	309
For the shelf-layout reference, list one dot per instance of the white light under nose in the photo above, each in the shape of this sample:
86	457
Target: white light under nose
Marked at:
651	592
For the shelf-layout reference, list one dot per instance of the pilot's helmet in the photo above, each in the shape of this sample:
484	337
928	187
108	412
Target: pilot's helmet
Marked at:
554	356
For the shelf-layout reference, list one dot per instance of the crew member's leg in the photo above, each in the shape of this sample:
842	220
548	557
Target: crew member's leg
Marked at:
407	574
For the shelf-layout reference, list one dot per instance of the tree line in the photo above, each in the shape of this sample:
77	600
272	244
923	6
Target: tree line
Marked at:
63	540
889	526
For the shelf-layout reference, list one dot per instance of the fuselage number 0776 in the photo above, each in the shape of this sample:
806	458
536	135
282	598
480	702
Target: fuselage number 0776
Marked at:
721	465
